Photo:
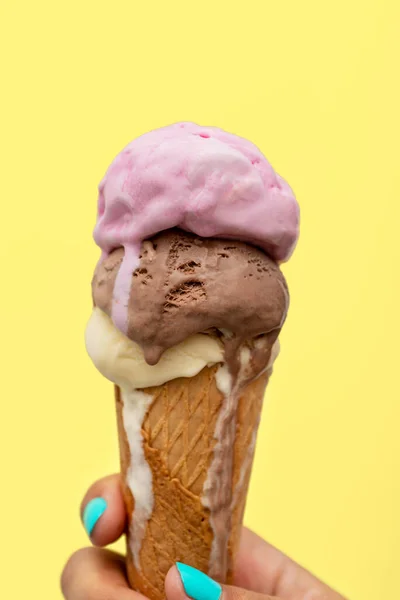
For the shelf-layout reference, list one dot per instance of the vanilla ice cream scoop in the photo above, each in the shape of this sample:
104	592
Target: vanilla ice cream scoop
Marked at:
122	361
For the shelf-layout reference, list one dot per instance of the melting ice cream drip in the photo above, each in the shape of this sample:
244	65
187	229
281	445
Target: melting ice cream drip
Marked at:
218	494
122	287
139	476
217	491
248	461
217	487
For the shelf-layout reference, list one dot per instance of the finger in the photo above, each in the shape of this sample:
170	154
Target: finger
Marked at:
94	574
183	582
259	566
262	568
103	511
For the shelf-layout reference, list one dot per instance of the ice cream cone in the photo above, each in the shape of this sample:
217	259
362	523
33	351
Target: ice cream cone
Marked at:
178	438
188	301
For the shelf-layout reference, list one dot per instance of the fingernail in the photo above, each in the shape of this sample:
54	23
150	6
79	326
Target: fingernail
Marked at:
92	513
197	585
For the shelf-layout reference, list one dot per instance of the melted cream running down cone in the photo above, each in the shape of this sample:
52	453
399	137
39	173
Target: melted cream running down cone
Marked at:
186	449
178	443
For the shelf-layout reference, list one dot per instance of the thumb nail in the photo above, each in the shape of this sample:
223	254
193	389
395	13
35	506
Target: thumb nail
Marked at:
197	585
92	513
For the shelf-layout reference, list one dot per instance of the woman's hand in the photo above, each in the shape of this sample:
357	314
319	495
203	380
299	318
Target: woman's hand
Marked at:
262	572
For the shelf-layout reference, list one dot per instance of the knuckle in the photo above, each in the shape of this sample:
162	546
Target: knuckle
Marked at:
70	576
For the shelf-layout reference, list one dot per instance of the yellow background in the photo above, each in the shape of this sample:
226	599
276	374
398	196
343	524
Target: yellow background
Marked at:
315	85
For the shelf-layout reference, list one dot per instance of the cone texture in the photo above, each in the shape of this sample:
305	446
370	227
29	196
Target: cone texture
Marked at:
178	441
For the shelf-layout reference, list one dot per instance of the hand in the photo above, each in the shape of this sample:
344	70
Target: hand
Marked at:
261	572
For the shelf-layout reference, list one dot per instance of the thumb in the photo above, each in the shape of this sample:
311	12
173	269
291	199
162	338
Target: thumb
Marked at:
183	582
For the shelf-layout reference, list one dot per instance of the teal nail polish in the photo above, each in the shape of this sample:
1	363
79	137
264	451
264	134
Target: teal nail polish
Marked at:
198	585
92	513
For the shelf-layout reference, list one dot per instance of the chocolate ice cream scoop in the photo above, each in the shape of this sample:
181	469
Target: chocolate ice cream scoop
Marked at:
186	284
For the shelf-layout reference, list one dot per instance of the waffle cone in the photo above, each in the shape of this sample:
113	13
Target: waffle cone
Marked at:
178	442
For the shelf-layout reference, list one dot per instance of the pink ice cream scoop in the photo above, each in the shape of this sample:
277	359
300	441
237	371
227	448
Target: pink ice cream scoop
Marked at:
200	179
